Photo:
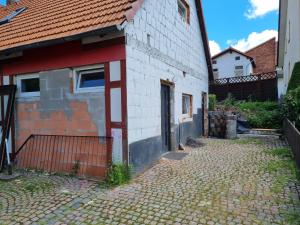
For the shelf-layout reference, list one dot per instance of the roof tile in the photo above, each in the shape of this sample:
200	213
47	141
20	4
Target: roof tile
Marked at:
51	19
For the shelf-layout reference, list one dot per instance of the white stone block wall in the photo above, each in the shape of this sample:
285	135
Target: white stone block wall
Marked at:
160	46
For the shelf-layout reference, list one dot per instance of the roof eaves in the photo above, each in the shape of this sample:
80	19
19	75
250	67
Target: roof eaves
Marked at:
74	37
231	49
204	38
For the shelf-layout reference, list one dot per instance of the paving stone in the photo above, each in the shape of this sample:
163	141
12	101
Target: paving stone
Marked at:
220	183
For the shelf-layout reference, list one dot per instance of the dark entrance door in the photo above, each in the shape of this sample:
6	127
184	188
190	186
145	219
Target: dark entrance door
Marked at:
165	118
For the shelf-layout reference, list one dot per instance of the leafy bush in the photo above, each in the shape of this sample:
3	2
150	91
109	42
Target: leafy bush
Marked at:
229	102
291	106
212	102
119	174
265	115
261	114
295	78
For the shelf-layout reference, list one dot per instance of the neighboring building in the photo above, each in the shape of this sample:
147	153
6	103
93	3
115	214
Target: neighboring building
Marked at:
232	63
289	42
135	70
264	56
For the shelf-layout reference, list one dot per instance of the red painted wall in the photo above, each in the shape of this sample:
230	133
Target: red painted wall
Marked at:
62	56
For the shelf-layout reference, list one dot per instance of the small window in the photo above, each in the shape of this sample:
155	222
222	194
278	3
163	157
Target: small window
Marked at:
239	71
239	67
214	61
237	58
216	70
184	10
89	79
187	102
28	85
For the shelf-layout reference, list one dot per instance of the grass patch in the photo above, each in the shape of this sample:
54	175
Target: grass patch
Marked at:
30	184
284	163
292	218
247	141
284	170
281	153
118	174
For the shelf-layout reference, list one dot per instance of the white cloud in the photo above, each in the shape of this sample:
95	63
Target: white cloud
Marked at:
214	48
260	8
253	40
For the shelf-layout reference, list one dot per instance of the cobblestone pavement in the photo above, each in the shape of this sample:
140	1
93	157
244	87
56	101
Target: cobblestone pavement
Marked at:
221	183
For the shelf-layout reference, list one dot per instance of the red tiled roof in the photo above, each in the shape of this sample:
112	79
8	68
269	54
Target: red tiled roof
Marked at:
264	56
46	20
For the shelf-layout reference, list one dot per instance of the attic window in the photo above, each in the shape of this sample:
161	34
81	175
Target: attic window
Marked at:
12	15
184	10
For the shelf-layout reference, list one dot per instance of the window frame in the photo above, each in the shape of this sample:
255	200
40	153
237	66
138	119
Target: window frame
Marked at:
188	115
237	58
19	79
77	77
184	4
241	69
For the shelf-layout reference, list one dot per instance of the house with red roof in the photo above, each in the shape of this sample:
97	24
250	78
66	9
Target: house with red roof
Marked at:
265	56
136	71
257	60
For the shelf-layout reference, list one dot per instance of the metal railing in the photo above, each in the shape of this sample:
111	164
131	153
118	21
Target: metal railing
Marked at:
293	137
84	156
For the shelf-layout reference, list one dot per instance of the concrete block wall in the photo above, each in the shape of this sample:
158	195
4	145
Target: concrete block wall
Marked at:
59	111
161	46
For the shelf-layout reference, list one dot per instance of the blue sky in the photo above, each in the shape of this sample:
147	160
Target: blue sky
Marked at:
2	2
240	23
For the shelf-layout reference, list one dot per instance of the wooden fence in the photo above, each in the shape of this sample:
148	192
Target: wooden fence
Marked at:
293	137
260	87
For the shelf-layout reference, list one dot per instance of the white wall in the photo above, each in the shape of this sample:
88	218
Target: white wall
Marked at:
174	47
226	65
292	41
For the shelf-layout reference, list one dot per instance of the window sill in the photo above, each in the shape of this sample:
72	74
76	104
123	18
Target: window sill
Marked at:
187	119
89	90
28	95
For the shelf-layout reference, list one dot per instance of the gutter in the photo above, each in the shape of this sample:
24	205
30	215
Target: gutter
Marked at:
279	27
204	38
75	37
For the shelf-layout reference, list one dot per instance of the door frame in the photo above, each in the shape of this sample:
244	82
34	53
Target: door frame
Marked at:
171	86
204	99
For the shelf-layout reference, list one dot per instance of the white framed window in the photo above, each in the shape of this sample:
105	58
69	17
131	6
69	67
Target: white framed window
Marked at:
187	106
28	85
184	10
216	74
89	79
239	71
